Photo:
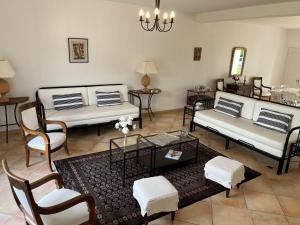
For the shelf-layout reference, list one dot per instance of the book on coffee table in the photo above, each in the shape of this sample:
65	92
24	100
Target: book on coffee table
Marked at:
173	154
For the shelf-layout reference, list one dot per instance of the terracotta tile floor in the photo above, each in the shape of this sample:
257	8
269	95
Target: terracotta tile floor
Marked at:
269	199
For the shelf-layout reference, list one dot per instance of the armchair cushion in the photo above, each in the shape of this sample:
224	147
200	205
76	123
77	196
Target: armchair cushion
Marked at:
75	215
264	93
56	139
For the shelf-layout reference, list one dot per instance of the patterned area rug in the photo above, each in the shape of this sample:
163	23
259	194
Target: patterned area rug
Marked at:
115	204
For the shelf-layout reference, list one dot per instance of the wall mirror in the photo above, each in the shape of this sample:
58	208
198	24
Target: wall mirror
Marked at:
237	61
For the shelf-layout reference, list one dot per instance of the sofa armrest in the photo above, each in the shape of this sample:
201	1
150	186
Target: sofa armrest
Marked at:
266	87
132	96
287	140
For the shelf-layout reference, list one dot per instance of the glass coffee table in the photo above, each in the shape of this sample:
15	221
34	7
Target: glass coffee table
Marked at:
146	154
182	147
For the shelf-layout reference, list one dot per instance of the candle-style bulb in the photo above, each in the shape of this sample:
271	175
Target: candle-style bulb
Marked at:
165	16
172	15
141	13
156	12
147	15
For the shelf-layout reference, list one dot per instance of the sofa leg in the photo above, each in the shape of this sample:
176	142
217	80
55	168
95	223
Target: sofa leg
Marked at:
192	126
227	144
280	166
227	193
141	123
173	215
98	131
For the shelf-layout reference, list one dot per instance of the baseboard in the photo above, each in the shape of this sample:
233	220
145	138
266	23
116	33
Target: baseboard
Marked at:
165	111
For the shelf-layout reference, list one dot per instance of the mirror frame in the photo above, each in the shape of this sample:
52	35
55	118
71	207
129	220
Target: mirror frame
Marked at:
232	57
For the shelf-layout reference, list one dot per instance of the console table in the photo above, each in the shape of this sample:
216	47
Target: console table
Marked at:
205	99
12	101
239	88
149	93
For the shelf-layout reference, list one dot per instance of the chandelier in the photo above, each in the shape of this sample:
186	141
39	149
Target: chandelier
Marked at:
164	26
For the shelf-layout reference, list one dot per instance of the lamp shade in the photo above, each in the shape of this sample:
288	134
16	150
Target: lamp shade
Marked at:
146	67
6	71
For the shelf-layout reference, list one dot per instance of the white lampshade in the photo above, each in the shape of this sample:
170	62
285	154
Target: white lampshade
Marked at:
6	71
146	67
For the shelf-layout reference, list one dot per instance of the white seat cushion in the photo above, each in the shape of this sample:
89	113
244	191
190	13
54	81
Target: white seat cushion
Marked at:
244	127
56	140
91	112
225	171
81	116
155	194
72	216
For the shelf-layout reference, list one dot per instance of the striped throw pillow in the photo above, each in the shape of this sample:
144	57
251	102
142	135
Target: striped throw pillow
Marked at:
229	107
67	101
274	120
108	98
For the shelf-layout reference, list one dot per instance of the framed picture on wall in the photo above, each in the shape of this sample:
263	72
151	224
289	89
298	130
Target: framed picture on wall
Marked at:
78	50
197	53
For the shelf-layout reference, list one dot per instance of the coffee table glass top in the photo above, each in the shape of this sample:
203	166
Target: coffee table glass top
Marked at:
173	137
134	143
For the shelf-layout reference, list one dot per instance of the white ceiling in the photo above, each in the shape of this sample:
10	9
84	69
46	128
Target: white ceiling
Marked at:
292	22
197	6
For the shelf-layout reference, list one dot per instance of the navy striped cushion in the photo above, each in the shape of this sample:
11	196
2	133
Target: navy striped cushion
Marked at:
229	107
67	101
108	98
274	120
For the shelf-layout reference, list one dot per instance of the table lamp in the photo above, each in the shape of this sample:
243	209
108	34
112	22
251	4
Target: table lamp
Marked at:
6	71
145	68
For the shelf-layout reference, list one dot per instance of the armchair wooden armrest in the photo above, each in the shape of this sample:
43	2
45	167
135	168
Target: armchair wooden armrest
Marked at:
36	133
267	87
53	176
60	123
70	203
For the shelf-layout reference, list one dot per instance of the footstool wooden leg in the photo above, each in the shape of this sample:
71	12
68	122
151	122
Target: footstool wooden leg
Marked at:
227	193
238	185
146	219
173	216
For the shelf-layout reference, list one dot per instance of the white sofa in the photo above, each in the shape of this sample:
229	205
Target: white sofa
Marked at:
243	130
89	114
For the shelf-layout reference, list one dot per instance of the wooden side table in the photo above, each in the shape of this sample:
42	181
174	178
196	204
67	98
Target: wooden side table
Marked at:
12	101
239	88
150	93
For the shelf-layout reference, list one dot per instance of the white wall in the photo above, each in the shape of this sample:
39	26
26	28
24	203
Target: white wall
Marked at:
292	65
266	49
34	39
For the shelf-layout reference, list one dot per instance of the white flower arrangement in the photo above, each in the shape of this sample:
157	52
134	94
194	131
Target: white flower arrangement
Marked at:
125	125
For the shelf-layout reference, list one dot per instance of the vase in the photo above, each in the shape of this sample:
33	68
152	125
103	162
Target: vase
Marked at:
125	141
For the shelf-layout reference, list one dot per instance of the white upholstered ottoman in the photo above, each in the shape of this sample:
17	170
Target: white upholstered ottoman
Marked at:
225	171
154	195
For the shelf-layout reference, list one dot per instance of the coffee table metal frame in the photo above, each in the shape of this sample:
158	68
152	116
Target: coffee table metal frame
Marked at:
130	149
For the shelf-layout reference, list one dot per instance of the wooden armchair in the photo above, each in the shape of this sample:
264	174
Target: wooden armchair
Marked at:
35	139
59	207
220	85
259	90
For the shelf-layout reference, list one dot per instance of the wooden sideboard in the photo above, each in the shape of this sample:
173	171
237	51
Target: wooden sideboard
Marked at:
239	88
